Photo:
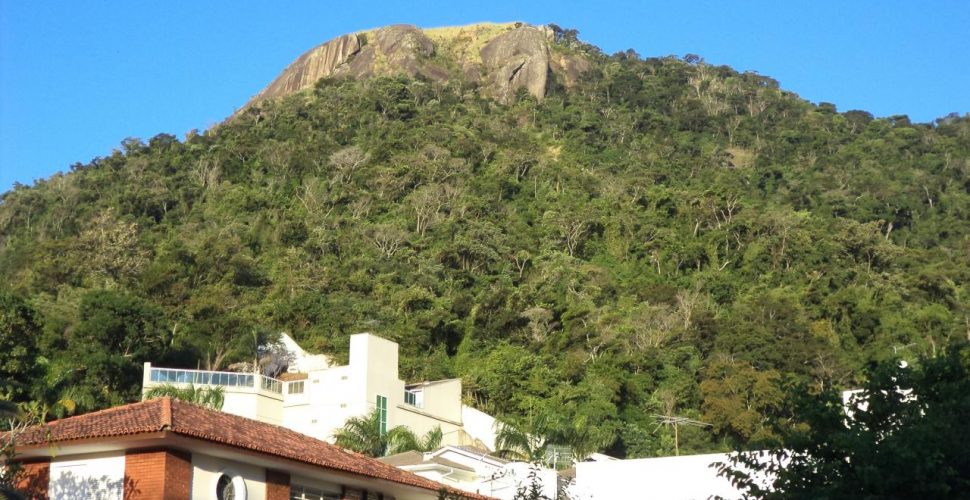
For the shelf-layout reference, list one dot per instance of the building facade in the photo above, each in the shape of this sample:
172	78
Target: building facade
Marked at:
315	397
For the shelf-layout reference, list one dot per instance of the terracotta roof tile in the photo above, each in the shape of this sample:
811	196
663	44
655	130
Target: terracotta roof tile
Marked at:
223	428
137	418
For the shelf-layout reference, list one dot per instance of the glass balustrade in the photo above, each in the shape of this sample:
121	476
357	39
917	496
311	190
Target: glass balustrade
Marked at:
227	379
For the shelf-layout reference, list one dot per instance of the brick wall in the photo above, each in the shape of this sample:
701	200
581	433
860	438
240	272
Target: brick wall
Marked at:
34	479
157	475
277	485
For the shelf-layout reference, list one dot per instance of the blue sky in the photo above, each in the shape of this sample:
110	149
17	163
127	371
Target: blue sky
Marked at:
78	77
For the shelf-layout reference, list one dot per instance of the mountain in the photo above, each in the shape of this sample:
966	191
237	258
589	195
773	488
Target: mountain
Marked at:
588	240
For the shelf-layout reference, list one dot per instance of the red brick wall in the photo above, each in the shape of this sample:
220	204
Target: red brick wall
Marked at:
34	479
157	475
277	485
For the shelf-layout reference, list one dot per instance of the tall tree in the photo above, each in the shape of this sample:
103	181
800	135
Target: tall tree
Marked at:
902	436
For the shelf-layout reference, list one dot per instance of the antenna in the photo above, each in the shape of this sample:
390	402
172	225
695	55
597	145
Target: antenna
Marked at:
676	421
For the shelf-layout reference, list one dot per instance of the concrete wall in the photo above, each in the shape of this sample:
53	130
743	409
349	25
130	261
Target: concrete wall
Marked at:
330	400
88	476
443	399
673	478
374	371
207	469
479	426
421	423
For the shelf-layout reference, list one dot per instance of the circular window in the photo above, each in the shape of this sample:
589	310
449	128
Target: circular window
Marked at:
229	487
225	489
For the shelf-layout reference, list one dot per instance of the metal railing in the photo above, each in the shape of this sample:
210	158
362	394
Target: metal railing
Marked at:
205	377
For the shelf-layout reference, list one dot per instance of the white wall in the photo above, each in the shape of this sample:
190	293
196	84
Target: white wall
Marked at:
479	425
668	478
207	469
96	476
421	423
516	475
443	399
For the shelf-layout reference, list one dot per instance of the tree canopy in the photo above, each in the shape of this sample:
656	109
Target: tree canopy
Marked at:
902	436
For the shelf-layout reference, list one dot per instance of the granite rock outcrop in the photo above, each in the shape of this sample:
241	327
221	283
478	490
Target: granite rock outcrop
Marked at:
501	59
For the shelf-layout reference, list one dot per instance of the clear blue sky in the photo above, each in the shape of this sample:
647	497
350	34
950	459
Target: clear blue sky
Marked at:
77	77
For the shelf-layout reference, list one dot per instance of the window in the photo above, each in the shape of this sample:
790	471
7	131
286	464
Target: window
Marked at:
414	398
225	489
300	492
272	385
382	410
229	486
295	387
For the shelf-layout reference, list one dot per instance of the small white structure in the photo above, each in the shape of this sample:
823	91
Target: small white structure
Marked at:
475	471
668	478
316	397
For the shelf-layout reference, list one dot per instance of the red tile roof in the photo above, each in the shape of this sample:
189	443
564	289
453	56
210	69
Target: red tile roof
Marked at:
165	414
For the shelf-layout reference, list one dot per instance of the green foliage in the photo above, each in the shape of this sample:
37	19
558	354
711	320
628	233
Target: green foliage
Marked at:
516	443
571	260
904	437
363	435
18	348
14	419
206	397
534	489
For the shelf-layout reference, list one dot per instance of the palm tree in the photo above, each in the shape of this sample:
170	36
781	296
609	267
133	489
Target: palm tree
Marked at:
206	397
401	439
363	435
514	443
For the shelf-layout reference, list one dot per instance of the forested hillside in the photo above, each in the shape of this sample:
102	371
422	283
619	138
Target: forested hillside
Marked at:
665	237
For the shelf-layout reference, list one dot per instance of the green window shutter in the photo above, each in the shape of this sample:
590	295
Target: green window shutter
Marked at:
382	410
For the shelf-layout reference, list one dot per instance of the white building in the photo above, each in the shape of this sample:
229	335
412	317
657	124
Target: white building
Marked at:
670	478
476	471
316	397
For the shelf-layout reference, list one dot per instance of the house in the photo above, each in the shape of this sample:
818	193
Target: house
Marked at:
168	449
474	470
315	397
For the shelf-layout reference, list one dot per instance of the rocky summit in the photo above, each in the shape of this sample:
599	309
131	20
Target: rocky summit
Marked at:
500	58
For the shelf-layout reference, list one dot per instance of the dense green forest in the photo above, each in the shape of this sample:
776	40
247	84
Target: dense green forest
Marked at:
668	238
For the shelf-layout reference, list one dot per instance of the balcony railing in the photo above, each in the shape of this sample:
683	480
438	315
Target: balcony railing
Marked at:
204	377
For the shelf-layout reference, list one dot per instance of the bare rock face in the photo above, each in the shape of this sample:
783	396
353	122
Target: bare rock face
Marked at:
514	60
320	62
398	49
571	67
500	58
